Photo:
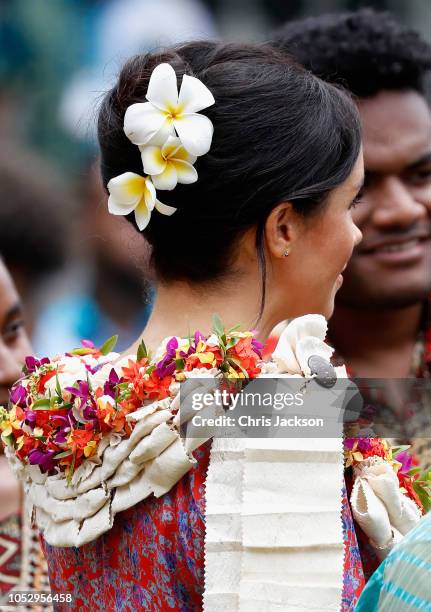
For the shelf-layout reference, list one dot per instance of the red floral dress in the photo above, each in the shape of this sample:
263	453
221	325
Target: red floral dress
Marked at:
153	557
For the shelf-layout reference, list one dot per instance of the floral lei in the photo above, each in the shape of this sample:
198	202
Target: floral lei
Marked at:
58	426
413	482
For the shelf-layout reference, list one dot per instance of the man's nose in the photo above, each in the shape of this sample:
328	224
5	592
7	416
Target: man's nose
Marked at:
9	366
395	205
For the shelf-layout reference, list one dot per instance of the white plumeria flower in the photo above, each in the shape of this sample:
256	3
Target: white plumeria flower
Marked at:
132	192
169	165
167	112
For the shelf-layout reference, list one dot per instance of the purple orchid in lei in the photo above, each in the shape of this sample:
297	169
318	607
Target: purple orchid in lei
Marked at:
32	364
349	443
110	386
257	347
18	396
61	436
44	459
167	365
82	391
198	336
88	344
87	404
30	418
406	461
90	415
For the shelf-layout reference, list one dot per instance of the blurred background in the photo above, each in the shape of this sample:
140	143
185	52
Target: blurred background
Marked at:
80	271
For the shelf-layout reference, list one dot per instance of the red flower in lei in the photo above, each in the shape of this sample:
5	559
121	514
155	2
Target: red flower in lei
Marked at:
59	428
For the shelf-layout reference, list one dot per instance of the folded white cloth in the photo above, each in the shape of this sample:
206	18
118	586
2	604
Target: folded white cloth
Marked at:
380	508
274	536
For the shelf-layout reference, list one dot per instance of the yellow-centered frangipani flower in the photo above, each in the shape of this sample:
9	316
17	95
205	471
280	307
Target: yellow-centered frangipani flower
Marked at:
169	164
130	192
167	112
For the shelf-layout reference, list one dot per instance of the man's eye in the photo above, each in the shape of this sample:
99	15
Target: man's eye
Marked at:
12	330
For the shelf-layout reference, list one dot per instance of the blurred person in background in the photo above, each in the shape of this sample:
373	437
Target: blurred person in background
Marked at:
111	293
45	236
382	321
35	212
381	326
380	316
21	559
120	29
380	308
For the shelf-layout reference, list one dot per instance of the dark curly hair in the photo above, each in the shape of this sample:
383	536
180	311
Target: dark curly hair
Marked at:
280	134
366	51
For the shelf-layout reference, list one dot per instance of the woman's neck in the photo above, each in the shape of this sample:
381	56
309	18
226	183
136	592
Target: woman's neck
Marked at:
181	309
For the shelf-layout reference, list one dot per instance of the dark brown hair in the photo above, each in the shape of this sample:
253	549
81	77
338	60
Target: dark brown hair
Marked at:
280	134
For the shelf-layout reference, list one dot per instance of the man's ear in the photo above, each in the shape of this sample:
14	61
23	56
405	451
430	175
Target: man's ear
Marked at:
281	230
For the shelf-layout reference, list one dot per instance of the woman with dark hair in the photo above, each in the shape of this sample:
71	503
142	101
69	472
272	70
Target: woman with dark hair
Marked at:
257	164
22	565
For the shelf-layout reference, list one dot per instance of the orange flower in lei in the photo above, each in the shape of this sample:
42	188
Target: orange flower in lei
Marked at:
246	352
57	425
406	484
83	442
205	356
145	382
133	369
111	417
359	449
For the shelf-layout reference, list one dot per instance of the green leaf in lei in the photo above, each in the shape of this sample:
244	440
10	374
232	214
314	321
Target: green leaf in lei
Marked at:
63	454
179	364
423	491
142	352
58	387
90	388
218	325
81	351
109	345
71	470
399	449
42	404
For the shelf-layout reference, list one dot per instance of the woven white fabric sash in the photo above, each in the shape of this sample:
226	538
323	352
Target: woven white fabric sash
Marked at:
274	536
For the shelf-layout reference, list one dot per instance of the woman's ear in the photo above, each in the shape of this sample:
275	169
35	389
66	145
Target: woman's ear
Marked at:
281	230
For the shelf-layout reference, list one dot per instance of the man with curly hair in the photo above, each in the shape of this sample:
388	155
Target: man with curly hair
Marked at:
381	325
380	306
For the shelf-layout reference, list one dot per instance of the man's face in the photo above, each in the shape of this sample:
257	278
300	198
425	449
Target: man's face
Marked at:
391	267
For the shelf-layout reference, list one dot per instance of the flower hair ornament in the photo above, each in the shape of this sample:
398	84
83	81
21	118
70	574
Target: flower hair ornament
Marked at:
170	134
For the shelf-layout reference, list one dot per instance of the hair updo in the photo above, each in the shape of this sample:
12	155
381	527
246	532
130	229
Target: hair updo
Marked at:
280	134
